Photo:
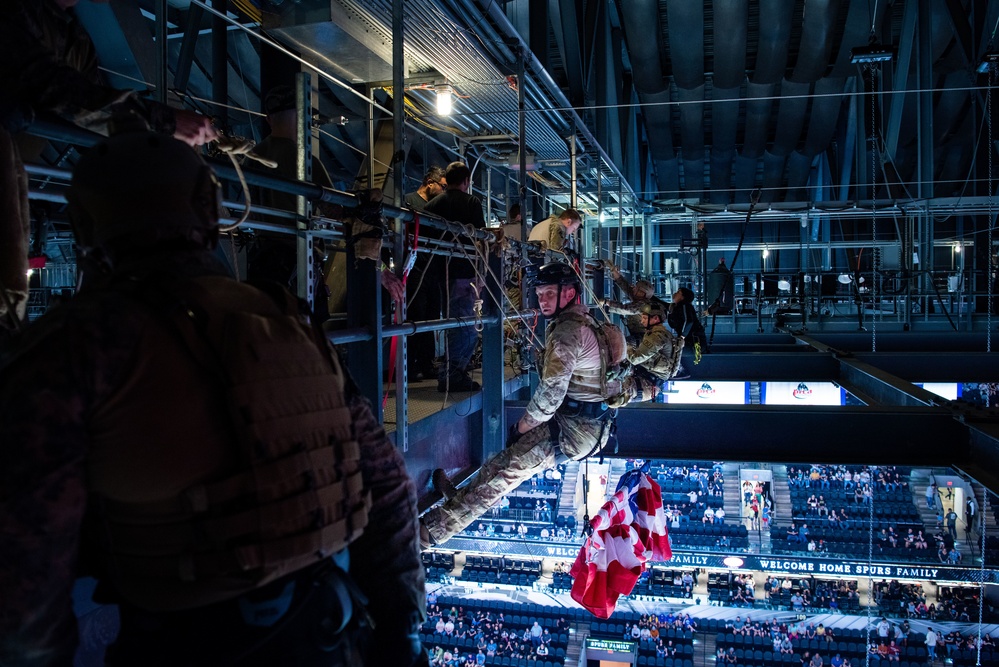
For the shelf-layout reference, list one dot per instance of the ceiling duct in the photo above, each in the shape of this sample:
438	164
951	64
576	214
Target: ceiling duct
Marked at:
730	29
653	89
686	38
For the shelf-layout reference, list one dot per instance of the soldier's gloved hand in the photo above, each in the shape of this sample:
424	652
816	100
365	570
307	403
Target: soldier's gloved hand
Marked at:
369	208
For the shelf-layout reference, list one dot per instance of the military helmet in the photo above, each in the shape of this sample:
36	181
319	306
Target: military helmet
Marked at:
556	273
140	188
645	286
653	308
279	98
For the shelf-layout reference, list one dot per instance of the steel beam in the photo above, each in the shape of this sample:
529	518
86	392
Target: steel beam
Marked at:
187	47
906	45
493	425
876	387
778	434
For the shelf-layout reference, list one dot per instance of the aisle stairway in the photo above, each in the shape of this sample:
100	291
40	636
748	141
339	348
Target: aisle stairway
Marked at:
781	493
617	468
567	499
704	650
919	478
576	639
782	499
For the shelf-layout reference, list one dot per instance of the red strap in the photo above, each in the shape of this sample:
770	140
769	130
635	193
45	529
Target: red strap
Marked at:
393	346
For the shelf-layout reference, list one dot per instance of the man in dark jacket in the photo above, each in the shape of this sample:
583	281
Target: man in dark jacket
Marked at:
459	275
682	318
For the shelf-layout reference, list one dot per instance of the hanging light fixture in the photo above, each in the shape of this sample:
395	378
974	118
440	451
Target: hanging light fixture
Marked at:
443	99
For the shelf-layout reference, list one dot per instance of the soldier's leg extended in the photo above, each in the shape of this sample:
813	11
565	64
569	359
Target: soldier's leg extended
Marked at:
531	453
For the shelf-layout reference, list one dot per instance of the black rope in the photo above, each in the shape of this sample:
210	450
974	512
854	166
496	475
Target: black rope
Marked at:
754	198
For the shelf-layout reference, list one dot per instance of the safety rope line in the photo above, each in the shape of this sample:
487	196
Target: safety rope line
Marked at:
407	267
481	256
991	253
729	282
981	573
876	257
870	568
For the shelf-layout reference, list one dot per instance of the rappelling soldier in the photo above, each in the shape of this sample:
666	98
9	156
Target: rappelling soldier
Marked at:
193	443
636	294
570	415
656	358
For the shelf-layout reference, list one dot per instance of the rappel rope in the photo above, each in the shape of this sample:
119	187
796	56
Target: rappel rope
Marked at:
876	256
981	573
397	318
754	198
870	568
991	251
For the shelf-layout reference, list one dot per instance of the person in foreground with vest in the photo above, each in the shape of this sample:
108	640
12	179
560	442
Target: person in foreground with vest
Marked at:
568	416
657	357
193	444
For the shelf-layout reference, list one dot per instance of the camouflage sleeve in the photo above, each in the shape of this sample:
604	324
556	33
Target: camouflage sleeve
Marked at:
385	561
619	308
625	286
43	494
556	236
652	342
561	356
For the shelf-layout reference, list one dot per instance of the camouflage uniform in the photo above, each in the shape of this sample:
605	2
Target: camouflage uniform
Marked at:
631	310
569	402
48	64
658	353
70	389
551	233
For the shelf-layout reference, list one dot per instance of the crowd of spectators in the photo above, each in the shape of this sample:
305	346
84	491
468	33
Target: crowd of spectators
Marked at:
707	477
848	478
809	593
489	635
731	589
667	633
661	582
956	603
894	597
786	639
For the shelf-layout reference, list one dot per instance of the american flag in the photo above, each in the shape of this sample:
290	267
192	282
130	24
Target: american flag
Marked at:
628	531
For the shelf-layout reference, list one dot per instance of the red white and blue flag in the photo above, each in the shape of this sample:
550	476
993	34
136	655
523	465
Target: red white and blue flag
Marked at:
628	531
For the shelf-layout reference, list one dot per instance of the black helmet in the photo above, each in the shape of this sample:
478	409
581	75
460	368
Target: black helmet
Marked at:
140	188
279	98
653	308
556	273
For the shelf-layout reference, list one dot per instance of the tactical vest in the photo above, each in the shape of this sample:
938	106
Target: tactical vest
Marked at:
287	490
613	356
665	363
